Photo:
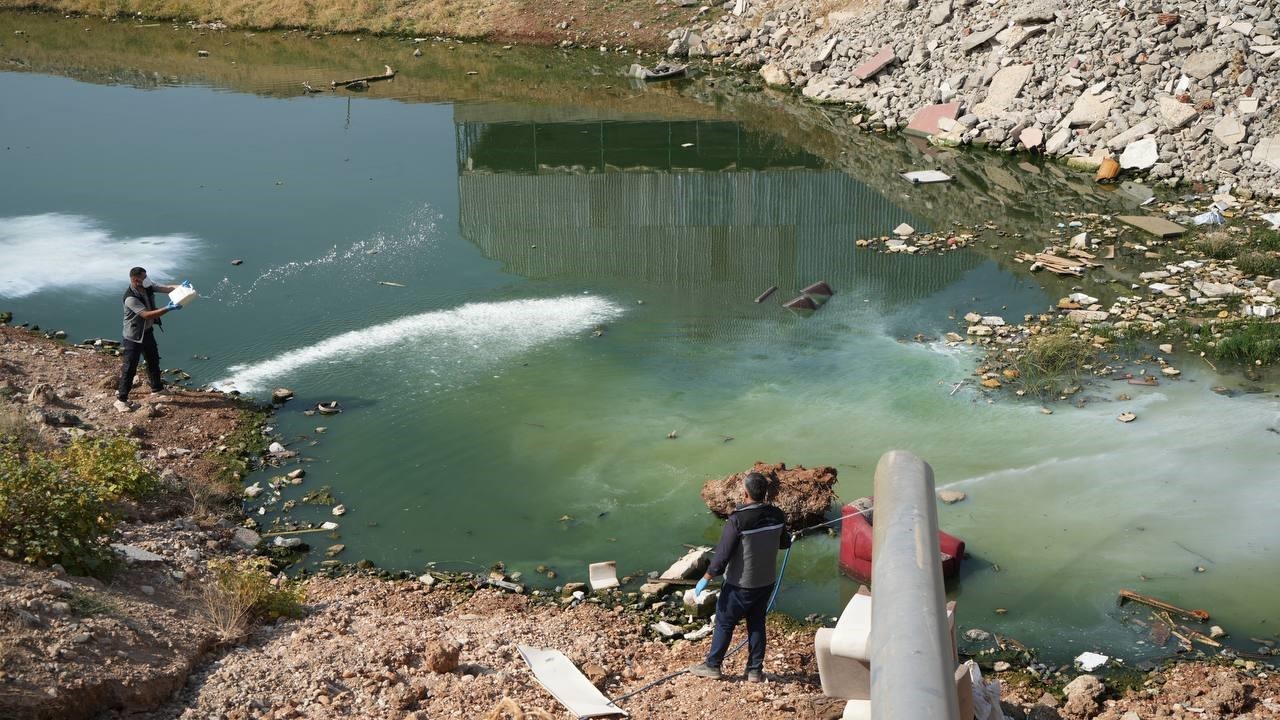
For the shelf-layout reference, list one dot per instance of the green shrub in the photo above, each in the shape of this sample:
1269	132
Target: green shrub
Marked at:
1246	341
1218	245
46	517
240	590
1053	360
13	426
1267	238
110	466
1259	263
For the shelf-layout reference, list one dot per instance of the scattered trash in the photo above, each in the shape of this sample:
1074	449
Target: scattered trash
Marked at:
237	261
388	283
567	684
386	75
330	408
661	71
917	177
765	295
904	230
672	435
339	510
804	302
1090	661
603	575
1212	217
1108	170
1126	417
1274	219
1127	595
819	288
281	394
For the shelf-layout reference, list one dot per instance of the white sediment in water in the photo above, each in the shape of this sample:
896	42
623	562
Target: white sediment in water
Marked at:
72	252
476	332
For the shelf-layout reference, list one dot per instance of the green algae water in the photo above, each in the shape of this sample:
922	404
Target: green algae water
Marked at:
519	283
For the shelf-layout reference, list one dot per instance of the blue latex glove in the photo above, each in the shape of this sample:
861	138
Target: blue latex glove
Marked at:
173	306
186	283
701	586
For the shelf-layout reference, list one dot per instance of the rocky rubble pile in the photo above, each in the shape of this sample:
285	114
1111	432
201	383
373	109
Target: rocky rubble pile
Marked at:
803	494
1184	91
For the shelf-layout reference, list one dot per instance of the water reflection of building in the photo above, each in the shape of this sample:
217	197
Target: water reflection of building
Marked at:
701	208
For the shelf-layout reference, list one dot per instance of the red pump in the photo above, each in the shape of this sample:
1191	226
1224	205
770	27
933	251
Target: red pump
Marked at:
855	543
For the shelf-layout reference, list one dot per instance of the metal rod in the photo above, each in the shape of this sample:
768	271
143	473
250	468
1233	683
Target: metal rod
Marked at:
912	669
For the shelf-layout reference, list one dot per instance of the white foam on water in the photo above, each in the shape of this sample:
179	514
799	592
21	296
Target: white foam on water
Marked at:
56	250
475	332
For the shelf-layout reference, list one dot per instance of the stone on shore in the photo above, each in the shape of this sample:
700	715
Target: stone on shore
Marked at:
773	74
441	656
1174	112
803	494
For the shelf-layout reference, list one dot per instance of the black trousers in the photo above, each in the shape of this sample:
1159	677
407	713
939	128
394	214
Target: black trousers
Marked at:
132	353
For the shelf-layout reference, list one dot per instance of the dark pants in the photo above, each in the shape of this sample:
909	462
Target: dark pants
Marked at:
134	351
734	604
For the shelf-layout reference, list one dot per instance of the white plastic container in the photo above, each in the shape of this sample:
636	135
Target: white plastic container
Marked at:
183	295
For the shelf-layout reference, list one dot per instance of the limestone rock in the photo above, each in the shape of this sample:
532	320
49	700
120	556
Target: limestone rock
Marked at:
772	74
951	496
1082	697
803	494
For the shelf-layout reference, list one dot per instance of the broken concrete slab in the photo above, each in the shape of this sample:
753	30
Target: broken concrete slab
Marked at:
1090	109
1140	155
1137	132
136	554
1039	12
1173	112
940	13
925	122
920	177
1229	131
1267	151
1031	138
979	38
1204	64
1005	86
878	62
1156	226
1058	141
1013	36
904	230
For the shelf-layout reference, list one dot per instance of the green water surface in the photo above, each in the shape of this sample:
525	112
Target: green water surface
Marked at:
576	260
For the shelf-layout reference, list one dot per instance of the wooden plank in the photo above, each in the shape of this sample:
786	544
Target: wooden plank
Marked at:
1156	226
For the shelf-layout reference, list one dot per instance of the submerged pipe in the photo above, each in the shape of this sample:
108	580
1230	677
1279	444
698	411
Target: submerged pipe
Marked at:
765	295
912	670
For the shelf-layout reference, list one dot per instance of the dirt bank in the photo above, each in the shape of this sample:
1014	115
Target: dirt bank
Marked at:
635	24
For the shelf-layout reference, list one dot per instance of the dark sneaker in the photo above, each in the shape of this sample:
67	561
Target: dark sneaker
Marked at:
755	676
706	671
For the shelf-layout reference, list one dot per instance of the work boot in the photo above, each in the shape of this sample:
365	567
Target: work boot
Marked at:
755	676
163	390
706	671
122	406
